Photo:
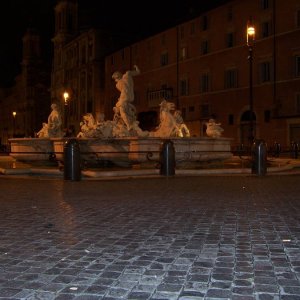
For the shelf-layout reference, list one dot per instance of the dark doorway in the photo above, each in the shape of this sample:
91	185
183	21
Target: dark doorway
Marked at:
148	120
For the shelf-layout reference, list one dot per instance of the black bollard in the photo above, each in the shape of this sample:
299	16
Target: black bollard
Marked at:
277	149
294	150
259	158
72	162
167	158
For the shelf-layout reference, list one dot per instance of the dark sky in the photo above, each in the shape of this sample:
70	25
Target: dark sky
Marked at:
130	16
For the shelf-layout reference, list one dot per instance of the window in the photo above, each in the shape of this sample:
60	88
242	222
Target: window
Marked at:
90	50
59	23
231	78
69	21
183	53
297	66
204	47
204	111
265	72
204	23
264	4
163	93
163	39
164	59
183	112
265	29
230	39
230	119
204	83
192	28
90	105
183	87
83	54
229	14
298	103
182	32
267	115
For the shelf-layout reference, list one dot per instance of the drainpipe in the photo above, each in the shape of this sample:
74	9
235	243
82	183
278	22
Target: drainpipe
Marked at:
177	67
274	55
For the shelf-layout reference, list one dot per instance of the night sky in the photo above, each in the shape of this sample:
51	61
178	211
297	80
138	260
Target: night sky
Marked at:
127	16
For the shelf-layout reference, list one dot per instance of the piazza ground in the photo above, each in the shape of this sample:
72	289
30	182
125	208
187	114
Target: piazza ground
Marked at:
180	237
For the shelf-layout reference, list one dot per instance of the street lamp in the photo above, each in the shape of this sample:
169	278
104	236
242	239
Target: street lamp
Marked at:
250	44
14	113
66	98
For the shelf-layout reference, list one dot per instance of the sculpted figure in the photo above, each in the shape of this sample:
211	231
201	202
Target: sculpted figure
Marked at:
213	129
171	122
90	128
87	126
53	127
55	122
43	133
124	110
182	130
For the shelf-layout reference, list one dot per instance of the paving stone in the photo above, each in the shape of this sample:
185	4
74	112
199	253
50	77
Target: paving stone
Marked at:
218	293
151	238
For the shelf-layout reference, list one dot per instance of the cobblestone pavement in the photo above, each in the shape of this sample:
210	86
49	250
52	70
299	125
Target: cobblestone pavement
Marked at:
215	237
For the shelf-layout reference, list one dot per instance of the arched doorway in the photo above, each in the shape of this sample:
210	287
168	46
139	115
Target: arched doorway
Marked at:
245	129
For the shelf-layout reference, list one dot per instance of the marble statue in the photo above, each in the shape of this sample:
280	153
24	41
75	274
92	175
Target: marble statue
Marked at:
52	129
213	129
171	122
90	128
124	111
43	133
182	129
124	123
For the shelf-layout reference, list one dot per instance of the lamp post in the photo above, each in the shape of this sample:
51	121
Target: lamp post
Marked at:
250	44
14	113
66	102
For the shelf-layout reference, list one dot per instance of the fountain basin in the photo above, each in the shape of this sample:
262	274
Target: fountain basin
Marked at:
186	149
31	149
123	151
96	150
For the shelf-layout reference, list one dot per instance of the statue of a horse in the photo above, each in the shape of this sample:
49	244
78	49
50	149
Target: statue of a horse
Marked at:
171	122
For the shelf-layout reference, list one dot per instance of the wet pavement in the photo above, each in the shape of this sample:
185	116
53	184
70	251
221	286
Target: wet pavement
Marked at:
178	237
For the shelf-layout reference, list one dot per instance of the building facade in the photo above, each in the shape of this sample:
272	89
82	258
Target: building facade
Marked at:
23	104
203	67
78	65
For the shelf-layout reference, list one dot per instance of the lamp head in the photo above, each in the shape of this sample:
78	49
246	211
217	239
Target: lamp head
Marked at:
66	97
250	33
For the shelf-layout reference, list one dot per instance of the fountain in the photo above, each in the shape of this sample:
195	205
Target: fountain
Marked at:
121	141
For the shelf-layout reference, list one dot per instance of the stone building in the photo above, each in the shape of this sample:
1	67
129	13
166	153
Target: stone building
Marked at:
202	66
23	104
78	64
